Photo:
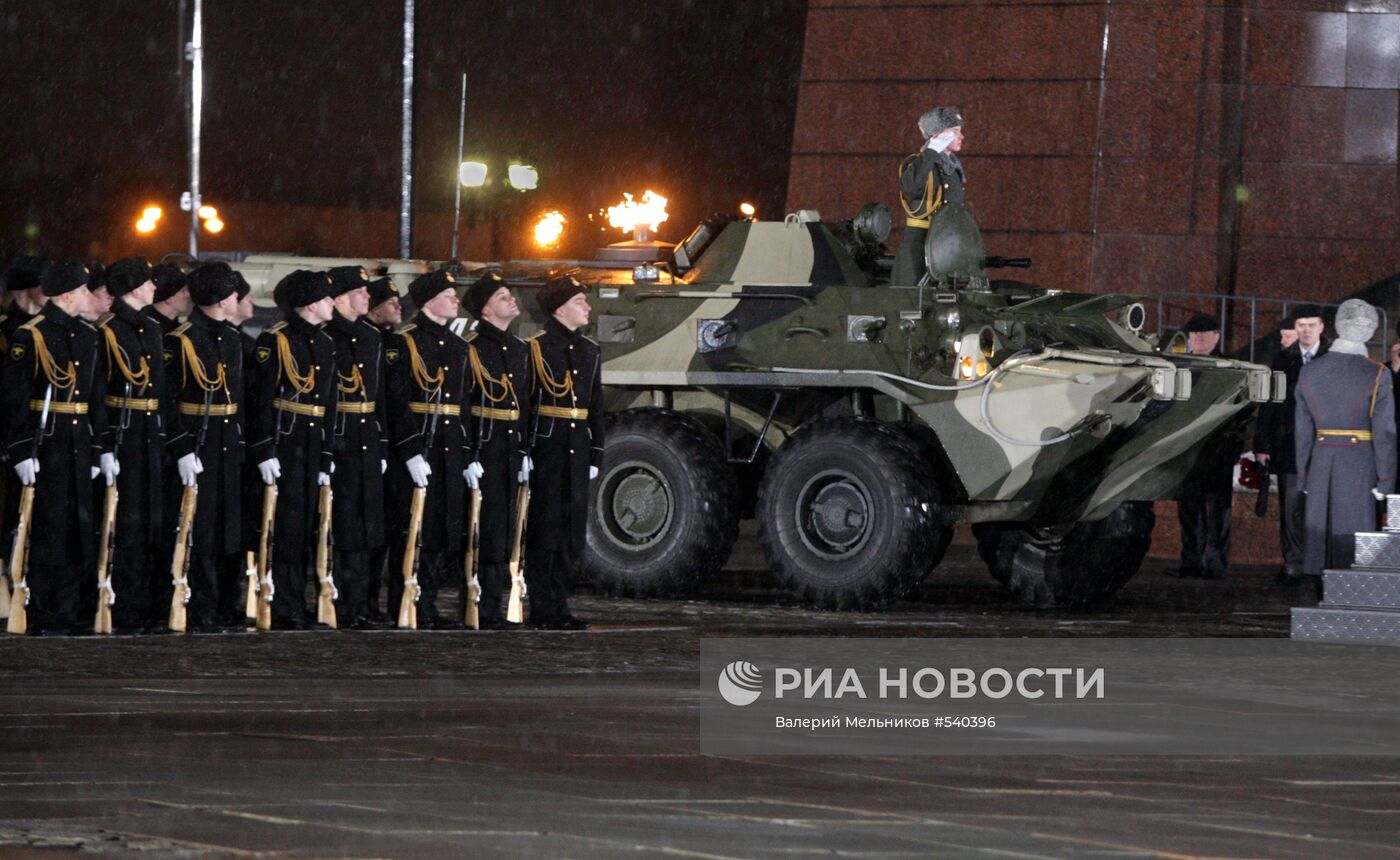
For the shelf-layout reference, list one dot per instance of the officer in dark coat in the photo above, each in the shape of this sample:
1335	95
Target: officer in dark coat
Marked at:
428	380
1345	438
566	433
26	298
1205	502
360	445
1275	446
386	315
204	377
501	384
136	433
928	179
53	388
291	415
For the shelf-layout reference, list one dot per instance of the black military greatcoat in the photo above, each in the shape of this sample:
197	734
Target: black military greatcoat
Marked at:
429	376
1273	429
135	424
566	428
55	356
290	414
9	482
361	441
204	375
499	415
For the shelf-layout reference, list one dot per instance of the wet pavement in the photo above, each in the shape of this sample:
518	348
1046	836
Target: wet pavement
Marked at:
583	744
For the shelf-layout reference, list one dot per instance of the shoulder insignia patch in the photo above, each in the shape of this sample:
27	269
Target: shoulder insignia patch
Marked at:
391	355
405	328
277	326
169	355
264	353
180	329
17	352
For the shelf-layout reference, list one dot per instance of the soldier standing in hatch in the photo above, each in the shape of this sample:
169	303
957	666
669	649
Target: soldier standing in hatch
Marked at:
928	179
567	446
429	379
53	388
204	377
1345	434
135	432
501	384
360	446
291	412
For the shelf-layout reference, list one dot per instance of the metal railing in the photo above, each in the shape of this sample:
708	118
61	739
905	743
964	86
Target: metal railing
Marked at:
1254	317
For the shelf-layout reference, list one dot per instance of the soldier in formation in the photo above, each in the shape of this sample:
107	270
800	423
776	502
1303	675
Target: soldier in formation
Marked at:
167	434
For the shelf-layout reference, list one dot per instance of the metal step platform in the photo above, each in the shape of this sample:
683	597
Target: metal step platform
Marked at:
1362	604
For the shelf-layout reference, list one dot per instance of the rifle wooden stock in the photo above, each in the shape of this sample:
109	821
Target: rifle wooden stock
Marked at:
325	603
472	599
514	609
408	604
180	563
269	522
19	565
105	596
250	600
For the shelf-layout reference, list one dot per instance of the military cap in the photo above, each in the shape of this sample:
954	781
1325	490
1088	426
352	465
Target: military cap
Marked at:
557	291
97	275
425	287
243	288
60	278
479	293
381	291
1306	311
211	283
1288	323
1356	320
1200	323
939	119
302	288
24	273
347	278
169	280
123	276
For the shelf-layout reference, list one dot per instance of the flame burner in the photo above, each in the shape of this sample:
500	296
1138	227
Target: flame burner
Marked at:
642	217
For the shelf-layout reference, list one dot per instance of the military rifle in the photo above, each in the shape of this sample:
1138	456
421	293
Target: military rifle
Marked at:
5	570
472	599
514	610
106	595
325	565
263	613
180	563
408	603
18	622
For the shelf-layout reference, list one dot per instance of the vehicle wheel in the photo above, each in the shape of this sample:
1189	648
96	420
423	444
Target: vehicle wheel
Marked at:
850	515
661	514
1085	565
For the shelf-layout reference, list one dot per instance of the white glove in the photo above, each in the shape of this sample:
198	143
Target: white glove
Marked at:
96	470
419	470
473	474
592	472
27	470
271	470
942	141
383	466
189	467
110	468
323	479
526	467
1380	497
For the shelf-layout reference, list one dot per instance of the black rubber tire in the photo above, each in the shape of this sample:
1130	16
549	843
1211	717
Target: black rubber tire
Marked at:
1084	567
675	460
872	472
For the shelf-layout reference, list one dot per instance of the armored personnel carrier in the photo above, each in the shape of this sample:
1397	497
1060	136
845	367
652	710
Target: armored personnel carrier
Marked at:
769	370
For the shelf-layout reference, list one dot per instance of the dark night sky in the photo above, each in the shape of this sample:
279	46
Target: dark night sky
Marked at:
693	99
